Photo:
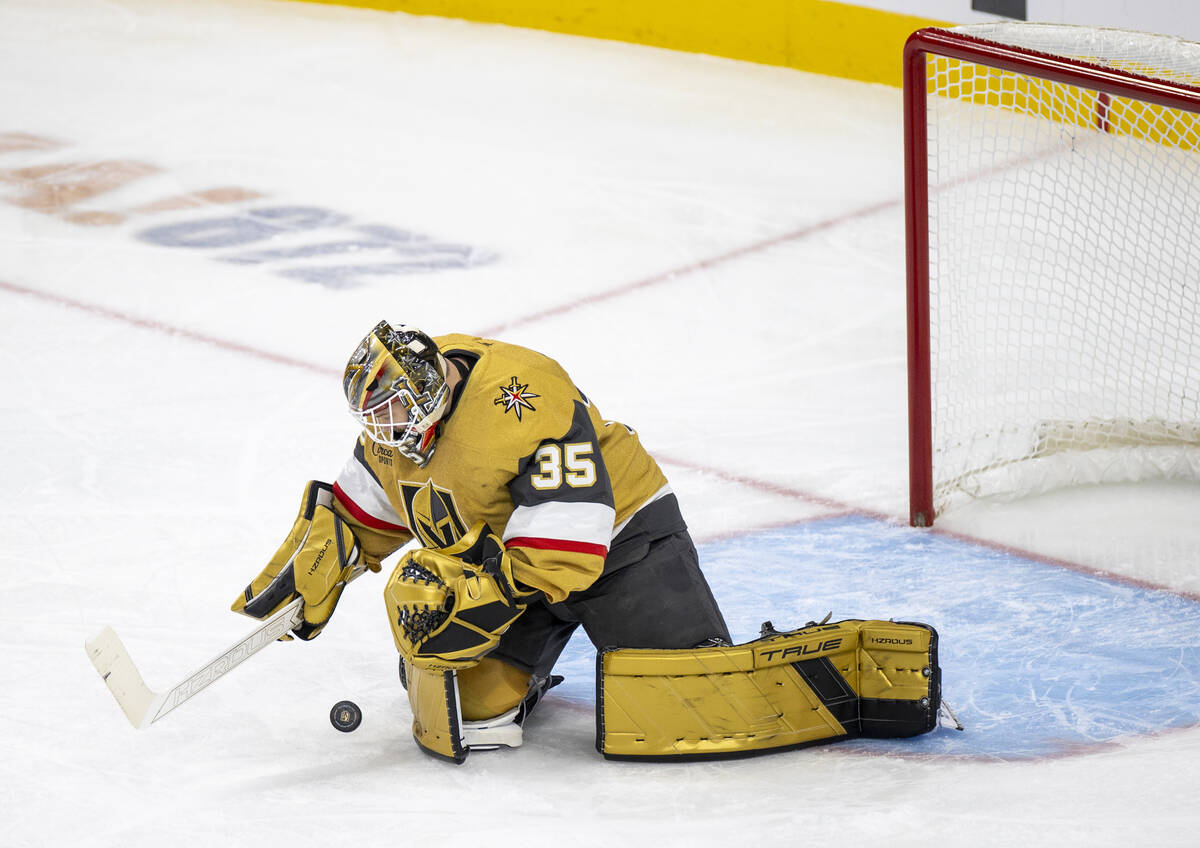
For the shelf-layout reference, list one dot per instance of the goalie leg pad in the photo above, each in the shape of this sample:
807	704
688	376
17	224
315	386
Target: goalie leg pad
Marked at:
490	688
507	730
437	719
439	727
818	684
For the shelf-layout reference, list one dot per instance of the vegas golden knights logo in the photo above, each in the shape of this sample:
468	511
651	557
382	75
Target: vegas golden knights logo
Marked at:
432	514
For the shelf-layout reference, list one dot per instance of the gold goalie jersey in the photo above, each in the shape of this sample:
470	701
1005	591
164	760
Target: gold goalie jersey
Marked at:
521	449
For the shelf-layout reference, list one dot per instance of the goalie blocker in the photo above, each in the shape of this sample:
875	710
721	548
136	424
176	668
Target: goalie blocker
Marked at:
821	683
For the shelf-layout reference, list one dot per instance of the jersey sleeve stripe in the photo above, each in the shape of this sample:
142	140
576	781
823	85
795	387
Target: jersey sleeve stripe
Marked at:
585	522
362	515
558	545
359	491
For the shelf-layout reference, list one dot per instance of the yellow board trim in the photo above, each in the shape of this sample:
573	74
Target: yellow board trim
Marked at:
823	37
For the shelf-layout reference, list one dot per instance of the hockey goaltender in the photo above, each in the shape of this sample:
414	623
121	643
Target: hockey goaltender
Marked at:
534	515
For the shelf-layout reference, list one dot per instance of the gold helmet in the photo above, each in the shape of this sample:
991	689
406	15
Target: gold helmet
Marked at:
395	383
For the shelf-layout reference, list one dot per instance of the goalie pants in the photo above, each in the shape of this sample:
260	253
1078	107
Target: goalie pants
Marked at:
652	594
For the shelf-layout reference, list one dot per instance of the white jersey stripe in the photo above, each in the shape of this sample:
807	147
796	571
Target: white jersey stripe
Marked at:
591	523
366	493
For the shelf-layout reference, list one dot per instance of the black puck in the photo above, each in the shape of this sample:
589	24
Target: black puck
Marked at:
345	716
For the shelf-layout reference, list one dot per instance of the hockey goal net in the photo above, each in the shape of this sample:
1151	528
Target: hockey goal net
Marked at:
1053	216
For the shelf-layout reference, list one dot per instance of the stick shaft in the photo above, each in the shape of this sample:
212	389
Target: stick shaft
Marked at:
277	625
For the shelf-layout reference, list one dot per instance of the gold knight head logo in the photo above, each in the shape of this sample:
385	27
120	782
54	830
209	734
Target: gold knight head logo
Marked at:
433	515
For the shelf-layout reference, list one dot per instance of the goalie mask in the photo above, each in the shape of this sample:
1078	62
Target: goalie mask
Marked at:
395	383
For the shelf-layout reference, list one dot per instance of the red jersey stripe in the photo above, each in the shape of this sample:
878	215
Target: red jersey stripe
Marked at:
364	517
558	545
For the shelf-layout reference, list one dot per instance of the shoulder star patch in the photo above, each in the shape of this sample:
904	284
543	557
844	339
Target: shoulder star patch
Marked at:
515	397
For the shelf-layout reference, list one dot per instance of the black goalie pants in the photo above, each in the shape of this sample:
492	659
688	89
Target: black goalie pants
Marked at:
652	594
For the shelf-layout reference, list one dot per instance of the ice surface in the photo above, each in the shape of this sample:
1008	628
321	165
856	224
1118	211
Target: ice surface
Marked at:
713	249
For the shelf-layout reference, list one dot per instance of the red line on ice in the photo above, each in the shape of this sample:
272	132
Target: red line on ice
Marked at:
835	508
160	326
676	273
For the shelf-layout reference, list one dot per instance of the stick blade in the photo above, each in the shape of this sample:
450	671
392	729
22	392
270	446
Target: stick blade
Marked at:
116	668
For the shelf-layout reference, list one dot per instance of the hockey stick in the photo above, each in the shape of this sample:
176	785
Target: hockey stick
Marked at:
143	706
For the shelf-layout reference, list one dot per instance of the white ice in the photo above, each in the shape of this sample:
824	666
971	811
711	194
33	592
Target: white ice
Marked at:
714	250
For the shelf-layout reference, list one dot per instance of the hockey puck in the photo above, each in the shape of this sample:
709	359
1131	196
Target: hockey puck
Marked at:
345	716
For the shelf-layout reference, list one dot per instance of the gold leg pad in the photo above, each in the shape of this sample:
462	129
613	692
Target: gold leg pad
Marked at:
490	688
817	684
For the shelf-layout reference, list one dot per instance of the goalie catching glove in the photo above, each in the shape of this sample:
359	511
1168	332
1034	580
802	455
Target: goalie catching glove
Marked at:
449	606
314	562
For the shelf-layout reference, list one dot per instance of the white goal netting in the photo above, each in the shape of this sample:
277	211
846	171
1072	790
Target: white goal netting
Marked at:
1064	263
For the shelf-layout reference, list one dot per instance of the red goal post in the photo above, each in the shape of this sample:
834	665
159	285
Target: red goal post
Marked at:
1052	181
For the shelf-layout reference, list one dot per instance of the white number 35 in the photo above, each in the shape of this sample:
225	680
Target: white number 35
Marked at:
571	464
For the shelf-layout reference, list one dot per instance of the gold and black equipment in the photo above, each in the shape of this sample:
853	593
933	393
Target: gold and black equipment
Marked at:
818	684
